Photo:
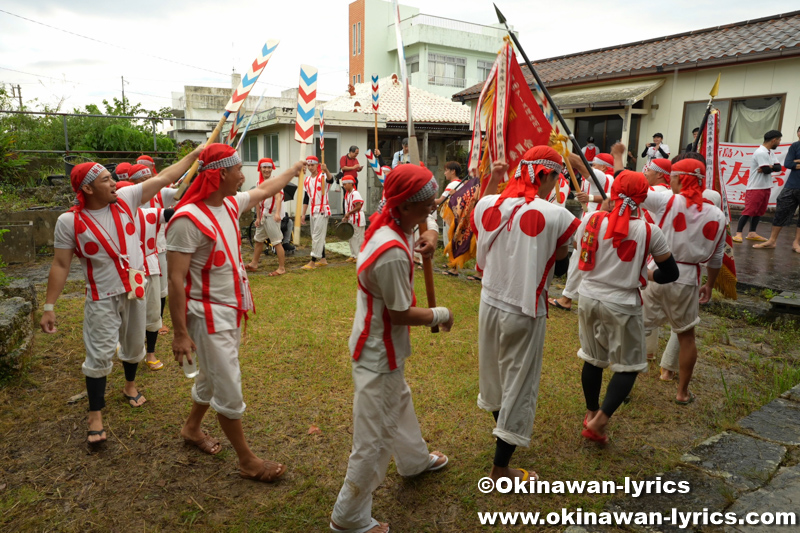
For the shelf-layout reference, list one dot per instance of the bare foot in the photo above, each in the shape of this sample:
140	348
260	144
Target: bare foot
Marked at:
261	470
163	331
311	265
322	262
667	375
561	303
766	244
796	248
382	527
755	237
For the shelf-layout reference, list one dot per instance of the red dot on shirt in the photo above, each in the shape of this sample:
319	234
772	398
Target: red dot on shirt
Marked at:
219	258
562	197
491	219
151	243
138	279
91	248
130	229
319	188
151	218
139	292
626	250
710	230
532	223
679	223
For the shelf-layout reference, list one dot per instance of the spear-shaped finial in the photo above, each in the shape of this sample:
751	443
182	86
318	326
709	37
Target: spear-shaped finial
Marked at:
500	16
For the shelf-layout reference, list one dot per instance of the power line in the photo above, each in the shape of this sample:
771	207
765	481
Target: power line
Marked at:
111	44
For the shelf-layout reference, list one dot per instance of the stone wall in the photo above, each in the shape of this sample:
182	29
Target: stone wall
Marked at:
17	312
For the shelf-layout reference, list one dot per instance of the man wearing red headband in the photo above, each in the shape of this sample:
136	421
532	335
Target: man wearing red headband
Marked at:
100	230
209	295
268	223
122	170
354	214
384	422
147	161
695	232
519	238
613	253
139	173
318	177
603	169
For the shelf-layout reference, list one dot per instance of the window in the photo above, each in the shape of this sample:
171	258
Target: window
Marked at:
354	39
354	79
358	39
607	130
271	148
447	71
412	64
742	120
484	68
250	149
359	78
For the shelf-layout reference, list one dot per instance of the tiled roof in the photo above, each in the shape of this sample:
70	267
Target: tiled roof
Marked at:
425	106
765	38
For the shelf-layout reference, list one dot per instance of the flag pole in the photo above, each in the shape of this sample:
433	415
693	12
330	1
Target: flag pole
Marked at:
413	151
714	92
237	99
304	133
576	147
375	105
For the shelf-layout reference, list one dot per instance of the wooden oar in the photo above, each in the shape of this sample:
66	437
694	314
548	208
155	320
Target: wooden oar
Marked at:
304	132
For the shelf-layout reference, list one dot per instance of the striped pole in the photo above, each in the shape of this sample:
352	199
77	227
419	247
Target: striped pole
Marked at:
304	131
235	103
375	105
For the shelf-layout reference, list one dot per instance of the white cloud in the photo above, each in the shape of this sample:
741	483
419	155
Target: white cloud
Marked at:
219	36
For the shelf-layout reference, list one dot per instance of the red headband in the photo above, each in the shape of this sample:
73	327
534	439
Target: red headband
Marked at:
628	191
81	175
525	182
692	174
213	158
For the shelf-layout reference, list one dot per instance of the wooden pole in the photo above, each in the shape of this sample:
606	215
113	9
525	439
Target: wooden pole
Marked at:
193	169
376	133
298	213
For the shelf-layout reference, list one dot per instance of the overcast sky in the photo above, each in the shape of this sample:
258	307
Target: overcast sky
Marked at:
201	41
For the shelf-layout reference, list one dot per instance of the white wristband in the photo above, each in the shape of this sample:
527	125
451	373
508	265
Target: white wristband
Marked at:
440	316
49	307
591	197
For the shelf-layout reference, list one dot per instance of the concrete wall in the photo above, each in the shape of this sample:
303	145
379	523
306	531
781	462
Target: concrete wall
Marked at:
44	223
16	243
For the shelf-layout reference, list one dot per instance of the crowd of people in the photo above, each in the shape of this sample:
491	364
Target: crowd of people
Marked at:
639	248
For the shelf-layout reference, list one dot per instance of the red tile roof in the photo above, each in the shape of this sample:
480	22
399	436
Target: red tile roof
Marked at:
772	37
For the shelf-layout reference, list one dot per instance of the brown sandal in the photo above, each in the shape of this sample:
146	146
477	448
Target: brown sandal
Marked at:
206	444
270	471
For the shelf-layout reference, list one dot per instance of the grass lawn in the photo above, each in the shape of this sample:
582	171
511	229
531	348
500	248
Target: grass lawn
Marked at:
296	377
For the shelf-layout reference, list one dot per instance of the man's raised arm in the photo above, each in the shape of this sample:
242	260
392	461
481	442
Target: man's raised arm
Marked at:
168	176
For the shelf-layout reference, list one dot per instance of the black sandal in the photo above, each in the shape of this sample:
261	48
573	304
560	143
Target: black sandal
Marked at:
554	302
92	433
134	400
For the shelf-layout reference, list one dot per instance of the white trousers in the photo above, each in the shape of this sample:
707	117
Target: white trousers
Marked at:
164	279
152	298
219	381
670	357
573	274
356	240
319	229
510	350
107	322
384	425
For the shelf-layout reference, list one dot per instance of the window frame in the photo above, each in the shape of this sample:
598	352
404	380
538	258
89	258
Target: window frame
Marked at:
434	59
726	134
412	60
268	137
247	149
484	66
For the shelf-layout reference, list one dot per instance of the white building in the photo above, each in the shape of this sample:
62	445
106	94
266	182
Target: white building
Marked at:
443	56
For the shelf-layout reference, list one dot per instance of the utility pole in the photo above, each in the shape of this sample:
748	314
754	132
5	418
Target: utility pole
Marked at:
123	94
19	95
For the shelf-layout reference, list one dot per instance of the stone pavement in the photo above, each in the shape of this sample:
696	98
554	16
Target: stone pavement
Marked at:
775	269
753	469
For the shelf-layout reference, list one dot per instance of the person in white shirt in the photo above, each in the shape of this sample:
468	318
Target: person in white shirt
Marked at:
695	232
759	186
354	214
209	295
451	172
100	230
656	149
590	151
521	237
384	421
614	248
268	223
590	197
313	184
401	156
